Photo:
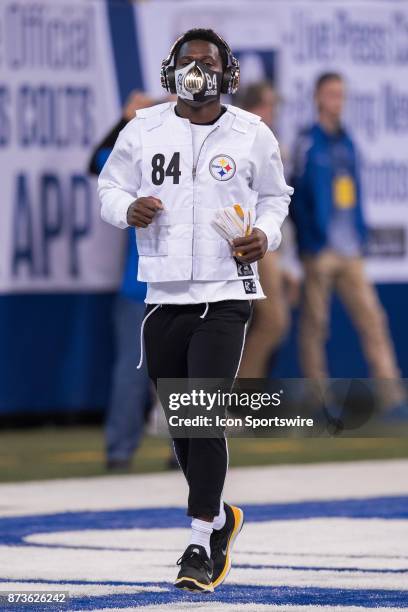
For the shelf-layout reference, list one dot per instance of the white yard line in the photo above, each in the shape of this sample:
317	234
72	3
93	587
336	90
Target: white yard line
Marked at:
252	484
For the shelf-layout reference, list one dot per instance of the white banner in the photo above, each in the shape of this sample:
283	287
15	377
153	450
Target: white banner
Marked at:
367	42
58	97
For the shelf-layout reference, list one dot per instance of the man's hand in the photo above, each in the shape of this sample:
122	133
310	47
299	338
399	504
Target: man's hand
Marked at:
142	212
251	248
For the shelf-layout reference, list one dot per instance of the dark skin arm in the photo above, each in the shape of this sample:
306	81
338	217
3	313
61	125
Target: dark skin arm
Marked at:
251	248
142	212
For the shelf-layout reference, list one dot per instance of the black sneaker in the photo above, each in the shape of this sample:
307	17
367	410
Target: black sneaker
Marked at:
222	541
196	570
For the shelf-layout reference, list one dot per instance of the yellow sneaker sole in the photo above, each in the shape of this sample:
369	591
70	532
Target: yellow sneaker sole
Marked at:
239	521
190	584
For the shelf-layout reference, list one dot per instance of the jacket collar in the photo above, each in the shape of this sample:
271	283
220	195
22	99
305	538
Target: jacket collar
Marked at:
319	129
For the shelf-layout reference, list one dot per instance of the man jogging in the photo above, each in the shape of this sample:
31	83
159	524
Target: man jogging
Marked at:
172	168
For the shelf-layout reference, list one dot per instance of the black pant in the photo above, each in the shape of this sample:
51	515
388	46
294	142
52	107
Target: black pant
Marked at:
180	344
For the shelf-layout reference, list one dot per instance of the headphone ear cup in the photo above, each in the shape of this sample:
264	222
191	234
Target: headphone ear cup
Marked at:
235	78
167	78
226	80
230	78
171	79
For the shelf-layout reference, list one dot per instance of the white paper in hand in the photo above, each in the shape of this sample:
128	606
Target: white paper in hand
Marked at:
232	222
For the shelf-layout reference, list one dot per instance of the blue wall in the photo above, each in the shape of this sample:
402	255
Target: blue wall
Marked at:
55	352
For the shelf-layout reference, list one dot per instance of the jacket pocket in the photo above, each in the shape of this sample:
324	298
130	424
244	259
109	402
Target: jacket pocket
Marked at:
151	242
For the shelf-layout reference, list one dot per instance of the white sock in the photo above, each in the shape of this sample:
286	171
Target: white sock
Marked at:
219	520
200	533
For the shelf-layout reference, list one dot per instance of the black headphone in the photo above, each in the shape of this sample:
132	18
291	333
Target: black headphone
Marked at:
230	76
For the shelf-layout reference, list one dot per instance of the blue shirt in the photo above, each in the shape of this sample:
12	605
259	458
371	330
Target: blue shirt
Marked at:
131	287
343	237
326	205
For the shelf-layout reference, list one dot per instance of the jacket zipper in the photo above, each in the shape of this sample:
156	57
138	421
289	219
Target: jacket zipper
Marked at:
200	149
194	174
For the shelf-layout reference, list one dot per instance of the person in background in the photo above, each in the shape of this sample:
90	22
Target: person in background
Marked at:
328	215
131	389
270	320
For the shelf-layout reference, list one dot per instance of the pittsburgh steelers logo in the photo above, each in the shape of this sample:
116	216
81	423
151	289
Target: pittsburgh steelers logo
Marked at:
222	167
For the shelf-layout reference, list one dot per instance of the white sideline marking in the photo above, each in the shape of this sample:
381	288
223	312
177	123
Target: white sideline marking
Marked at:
280	484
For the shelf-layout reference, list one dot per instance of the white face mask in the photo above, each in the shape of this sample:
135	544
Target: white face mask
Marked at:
198	82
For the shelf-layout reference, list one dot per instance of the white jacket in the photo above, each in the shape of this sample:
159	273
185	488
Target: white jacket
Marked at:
239	163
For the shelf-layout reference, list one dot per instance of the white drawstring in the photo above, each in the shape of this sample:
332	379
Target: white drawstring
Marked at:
205	311
143	324
141	334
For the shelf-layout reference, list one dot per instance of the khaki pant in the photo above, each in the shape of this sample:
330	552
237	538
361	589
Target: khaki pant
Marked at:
270	320
324	273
